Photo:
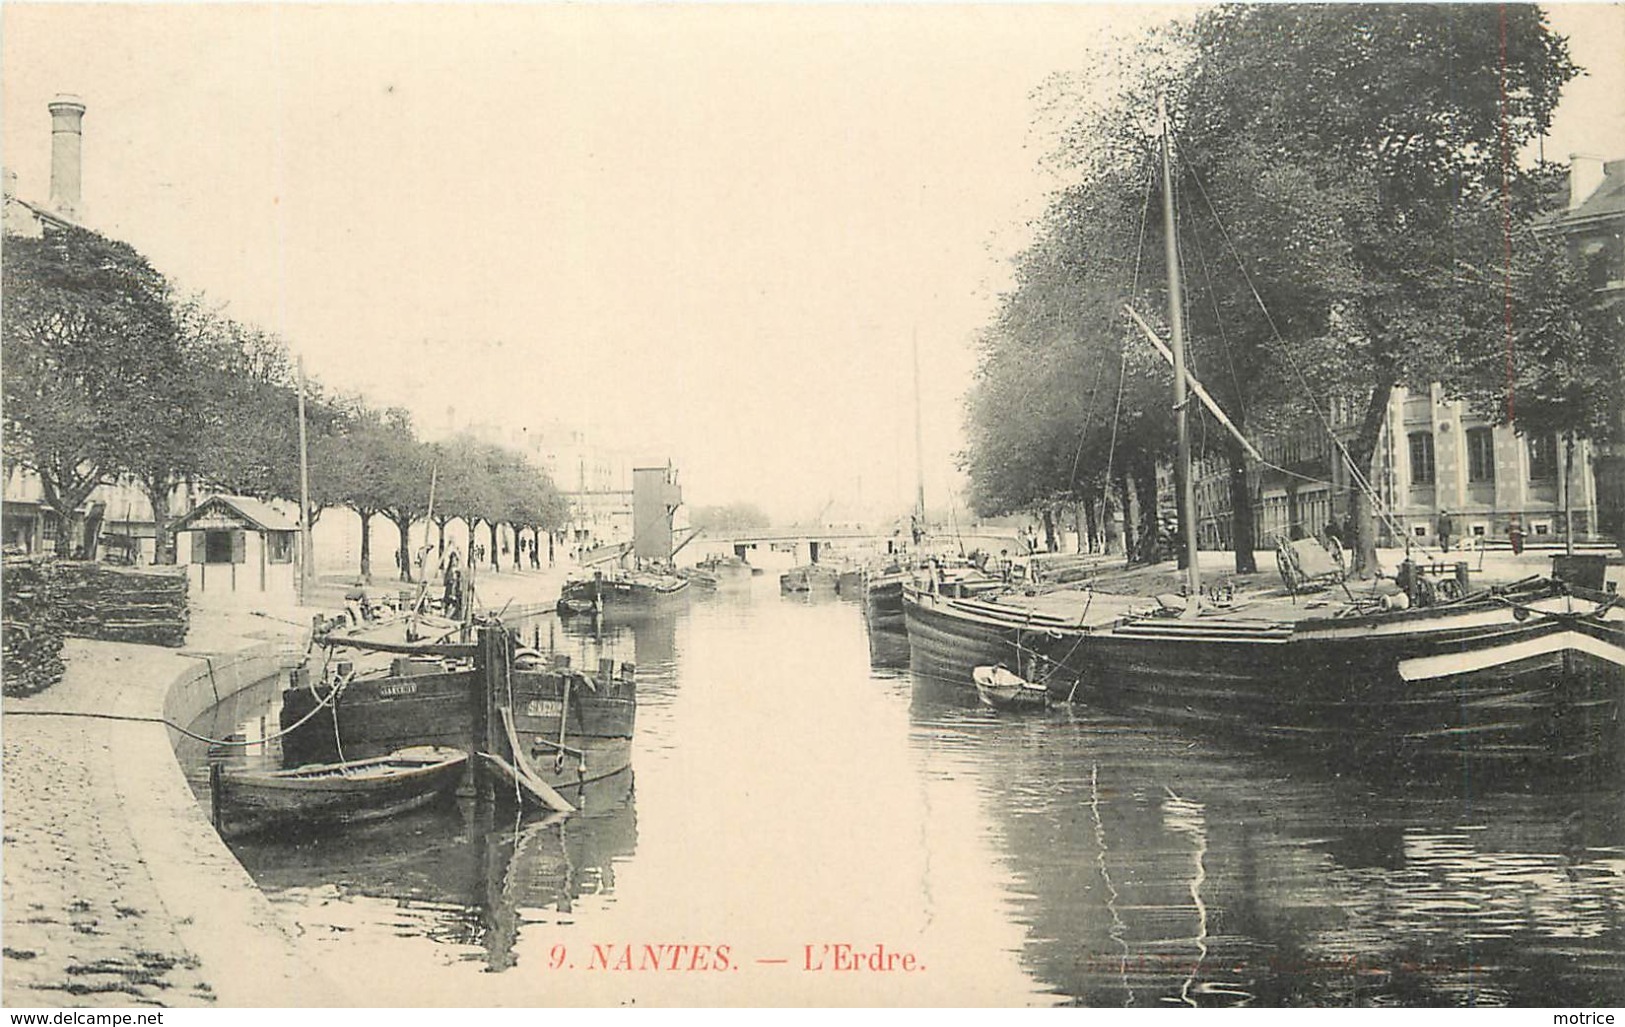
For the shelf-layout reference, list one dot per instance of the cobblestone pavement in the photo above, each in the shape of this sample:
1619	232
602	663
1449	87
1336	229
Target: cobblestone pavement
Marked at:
84	922
115	891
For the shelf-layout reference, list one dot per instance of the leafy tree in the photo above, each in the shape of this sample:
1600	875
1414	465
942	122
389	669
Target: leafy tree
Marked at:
1562	363
169	446
89	346
370	463
534	504
406	487
251	407
1393	120
466	489
1331	160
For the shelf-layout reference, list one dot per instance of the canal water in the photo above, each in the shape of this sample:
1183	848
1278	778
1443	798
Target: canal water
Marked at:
806	824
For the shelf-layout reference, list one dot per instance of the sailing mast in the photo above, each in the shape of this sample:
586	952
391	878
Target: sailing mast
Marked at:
919	444
1176	324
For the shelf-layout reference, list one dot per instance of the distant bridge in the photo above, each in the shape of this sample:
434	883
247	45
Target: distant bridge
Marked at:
808	542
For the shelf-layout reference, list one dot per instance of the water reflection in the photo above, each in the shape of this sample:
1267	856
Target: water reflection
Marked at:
796	785
888	649
1157	870
534	872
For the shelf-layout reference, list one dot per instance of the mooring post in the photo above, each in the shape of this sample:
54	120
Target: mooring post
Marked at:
214	793
487	661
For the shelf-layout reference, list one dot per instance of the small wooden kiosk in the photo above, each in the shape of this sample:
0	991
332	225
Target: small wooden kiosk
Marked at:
240	550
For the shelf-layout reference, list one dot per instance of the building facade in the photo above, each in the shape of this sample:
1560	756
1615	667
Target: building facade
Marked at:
1593	228
1435	455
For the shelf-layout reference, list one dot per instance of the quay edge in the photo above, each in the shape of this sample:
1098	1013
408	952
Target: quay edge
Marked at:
118	890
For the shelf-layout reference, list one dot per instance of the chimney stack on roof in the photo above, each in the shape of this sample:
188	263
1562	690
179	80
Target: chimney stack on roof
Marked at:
67	136
1585	175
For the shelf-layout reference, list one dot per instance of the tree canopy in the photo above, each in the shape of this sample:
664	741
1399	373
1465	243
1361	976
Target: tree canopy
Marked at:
89	366
1336	169
107	373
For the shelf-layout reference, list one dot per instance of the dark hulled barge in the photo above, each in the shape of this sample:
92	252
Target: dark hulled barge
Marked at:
574	725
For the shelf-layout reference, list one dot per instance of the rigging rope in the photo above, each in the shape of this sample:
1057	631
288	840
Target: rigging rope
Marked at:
1355	474
1122	362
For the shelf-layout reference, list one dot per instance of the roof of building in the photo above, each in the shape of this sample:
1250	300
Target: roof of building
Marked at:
1606	201
257	514
28	219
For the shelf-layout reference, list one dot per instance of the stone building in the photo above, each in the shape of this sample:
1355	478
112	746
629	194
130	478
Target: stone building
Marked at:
1434	454
1593	226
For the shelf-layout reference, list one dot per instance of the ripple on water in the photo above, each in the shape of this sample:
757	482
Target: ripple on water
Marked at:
794	783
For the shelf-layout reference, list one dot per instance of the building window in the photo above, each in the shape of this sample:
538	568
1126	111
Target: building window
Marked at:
225	546
1421	458
1480	455
1542	457
279	547
217	547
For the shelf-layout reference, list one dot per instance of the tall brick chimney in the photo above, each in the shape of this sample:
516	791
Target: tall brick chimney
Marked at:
67	136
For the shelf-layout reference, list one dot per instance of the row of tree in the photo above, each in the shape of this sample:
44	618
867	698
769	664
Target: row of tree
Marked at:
108	374
1352	217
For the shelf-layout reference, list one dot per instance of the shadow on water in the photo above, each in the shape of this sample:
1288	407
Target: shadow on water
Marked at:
1102	861
462	873
1153	869
888	648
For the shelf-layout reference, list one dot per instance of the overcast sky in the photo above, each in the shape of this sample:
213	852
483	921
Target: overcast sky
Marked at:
709	232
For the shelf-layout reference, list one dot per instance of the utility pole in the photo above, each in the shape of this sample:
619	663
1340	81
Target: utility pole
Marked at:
306	550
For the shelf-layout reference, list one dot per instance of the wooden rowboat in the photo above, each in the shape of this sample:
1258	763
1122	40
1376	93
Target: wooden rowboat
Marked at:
1003	689
354	791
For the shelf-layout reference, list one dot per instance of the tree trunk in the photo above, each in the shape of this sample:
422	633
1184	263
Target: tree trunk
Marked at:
366	544
1088	527
1125	499
496	558
1241	511
64	494
1150	530
1363	453
1049	529
403	553
1568	502
158	496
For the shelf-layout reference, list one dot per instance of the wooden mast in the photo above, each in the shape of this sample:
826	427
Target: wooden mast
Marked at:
919	444
1176	324
306	550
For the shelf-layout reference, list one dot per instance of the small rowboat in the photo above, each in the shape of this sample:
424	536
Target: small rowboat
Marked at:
351	792
1002	689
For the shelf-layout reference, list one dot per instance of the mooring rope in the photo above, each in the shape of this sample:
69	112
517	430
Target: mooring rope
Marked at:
330	697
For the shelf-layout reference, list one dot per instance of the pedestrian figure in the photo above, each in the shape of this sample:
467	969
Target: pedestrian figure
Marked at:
451	601
1445	530
1515	536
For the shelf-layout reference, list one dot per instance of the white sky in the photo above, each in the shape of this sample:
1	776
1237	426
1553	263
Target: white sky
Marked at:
708	231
